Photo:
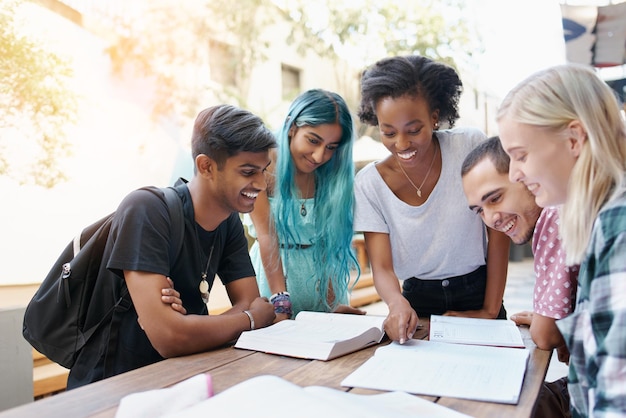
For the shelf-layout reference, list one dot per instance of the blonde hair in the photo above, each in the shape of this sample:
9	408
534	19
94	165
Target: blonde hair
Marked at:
551	99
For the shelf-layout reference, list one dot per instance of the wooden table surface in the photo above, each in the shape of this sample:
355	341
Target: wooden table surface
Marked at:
229	366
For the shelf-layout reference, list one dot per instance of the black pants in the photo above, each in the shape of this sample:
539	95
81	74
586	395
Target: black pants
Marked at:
460	293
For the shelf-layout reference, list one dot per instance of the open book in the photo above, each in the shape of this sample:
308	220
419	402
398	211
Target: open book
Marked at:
482	373
315	335
477	331
254	396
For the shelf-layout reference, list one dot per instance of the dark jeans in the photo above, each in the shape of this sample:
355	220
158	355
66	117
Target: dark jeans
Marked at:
553	400
460	293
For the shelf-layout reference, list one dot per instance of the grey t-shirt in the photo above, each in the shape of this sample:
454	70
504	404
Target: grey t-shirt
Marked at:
441	238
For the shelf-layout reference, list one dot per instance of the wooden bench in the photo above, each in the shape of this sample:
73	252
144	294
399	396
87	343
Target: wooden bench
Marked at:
48	377
364	292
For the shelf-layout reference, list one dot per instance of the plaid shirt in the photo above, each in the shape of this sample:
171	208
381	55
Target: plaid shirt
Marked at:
596	332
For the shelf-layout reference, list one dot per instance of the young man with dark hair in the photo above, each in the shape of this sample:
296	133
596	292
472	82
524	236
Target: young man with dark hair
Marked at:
230	147
511	208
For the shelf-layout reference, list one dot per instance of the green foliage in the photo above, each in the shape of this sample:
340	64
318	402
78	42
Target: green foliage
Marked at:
368	30
36	102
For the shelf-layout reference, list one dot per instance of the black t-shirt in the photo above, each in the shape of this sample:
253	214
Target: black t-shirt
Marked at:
139	241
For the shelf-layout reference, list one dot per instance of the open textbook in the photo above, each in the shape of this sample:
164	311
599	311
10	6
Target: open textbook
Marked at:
477	331
259	395
315	335
482	373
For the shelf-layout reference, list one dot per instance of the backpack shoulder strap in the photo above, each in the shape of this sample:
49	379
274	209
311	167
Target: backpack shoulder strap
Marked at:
175	208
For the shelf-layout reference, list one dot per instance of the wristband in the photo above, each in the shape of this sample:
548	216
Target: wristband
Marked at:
282	303
279	295
251	319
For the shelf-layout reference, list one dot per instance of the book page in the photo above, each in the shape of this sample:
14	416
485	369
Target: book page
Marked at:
355	321
313	335
318	328
492	374
256	395
459	330
390	404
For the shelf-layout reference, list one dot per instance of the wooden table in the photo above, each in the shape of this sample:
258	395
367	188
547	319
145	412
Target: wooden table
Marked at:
229	366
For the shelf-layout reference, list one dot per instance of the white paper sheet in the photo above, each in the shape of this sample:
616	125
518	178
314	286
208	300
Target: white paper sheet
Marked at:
492	374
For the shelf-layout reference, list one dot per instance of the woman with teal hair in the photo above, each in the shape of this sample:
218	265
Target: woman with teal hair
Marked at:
303	223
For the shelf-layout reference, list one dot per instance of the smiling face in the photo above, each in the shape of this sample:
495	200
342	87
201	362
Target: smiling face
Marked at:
313	146
540	158
406	127
240	180
502	205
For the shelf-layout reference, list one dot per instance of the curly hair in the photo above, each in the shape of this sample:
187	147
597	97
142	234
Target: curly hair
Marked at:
414	75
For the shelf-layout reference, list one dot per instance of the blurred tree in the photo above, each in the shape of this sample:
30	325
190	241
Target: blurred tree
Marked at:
177	45
366	30
174	44
36	103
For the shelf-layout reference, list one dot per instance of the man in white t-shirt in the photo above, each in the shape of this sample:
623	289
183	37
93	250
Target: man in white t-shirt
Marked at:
511	208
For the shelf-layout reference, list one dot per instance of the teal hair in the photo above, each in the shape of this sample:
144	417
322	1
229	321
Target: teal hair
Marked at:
334	192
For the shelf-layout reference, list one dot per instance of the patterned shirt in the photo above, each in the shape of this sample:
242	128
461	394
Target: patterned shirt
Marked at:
596	332
555	282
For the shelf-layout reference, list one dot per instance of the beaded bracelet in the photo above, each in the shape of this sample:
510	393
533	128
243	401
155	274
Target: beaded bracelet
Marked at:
282	303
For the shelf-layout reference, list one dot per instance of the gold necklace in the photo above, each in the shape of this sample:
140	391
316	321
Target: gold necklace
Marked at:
419	189
303	210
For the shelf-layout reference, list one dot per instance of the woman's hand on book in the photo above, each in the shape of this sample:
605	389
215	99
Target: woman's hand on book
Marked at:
401	322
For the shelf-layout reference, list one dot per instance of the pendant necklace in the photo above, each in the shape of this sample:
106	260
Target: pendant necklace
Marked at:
419	189
204	285
303	210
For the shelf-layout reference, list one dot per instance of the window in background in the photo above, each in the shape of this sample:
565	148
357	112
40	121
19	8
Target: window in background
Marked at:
222	64
290	82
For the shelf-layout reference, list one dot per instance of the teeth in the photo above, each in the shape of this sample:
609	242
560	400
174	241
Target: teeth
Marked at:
508	226
406	155
250	195
531	187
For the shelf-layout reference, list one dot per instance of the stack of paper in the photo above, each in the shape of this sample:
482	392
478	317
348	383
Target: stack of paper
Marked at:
482	373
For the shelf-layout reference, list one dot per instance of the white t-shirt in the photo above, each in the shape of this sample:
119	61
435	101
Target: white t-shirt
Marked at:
440	239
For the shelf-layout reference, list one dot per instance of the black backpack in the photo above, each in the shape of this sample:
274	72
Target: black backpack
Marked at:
55	318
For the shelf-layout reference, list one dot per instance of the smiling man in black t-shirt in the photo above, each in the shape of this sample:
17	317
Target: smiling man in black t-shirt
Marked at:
230	147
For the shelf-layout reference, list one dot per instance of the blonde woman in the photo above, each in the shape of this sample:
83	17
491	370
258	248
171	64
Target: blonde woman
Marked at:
565	134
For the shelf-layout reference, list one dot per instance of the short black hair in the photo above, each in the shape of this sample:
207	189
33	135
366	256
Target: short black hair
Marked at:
223	131
492	149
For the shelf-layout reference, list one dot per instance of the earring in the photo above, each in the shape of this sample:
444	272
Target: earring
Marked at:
436	125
